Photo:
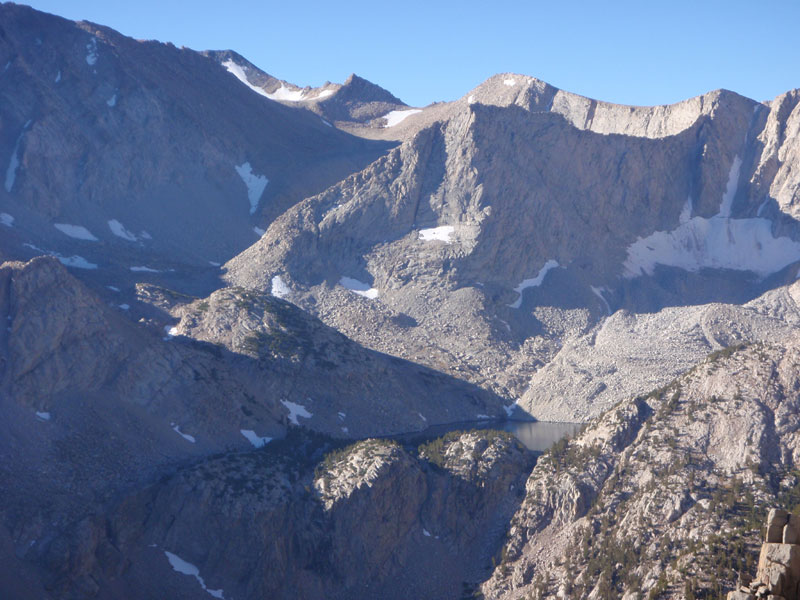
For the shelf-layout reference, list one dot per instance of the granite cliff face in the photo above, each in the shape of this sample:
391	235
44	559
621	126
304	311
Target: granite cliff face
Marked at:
665	493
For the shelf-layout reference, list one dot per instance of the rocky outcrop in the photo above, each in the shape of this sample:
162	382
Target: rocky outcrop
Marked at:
349	390
778	575
664	495
371	520
356	105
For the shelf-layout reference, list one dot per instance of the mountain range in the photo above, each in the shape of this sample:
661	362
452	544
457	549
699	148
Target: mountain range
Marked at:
227	295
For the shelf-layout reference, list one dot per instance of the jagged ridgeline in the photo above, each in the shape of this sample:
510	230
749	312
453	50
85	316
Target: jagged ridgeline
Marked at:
230	303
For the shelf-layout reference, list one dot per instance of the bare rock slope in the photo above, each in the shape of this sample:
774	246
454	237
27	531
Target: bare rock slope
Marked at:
521	216
131	154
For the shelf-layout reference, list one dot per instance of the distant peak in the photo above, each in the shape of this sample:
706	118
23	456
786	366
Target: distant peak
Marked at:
356	87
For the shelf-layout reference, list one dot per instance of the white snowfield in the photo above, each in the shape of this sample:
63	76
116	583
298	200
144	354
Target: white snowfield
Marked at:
187	568
258	231
286	94
143	269
239	73
441	234
535	282
13	163
296	410
44	416
510	82
68	261
112	101
253	438
255	184
77	262
186	436
6	219
323	94
78	232
119	230
396	117
359	287
283	93
716	243
91	52
279	288
598	291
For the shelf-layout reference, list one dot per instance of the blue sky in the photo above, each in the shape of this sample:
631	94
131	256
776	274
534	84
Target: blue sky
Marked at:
425	51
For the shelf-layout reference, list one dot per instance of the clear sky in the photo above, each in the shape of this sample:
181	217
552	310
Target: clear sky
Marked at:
639	52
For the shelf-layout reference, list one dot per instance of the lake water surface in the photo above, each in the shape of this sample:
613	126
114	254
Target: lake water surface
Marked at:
535	435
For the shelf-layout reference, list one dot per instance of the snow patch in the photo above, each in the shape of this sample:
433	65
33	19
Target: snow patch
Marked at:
187	568
483	417
112	101
471	99
254	439
535	282
44	416
279	288
113	288
258	231
186	436
345	430
510	409
214	263
324	94
686	213
296	410
77	262
286	94
598	291
342	416
125	306
118	229
359	287
715	243
426	533
326	123
396	117
441	234
761	207
58	77
421	416
238	72
730	188
79	232
143	269
255	184
6	219
171	330
91	52
509	82
13	163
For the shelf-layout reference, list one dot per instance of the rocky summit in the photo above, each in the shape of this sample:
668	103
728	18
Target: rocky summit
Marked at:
264	340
